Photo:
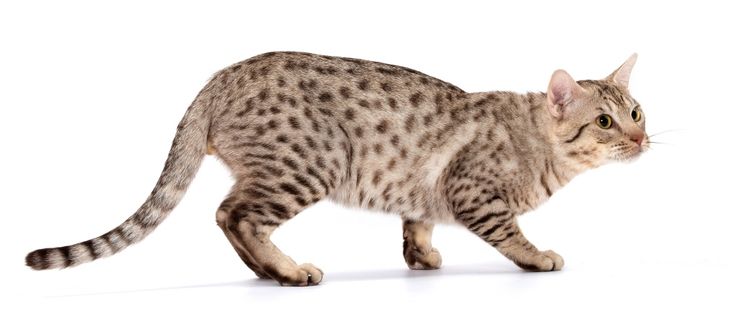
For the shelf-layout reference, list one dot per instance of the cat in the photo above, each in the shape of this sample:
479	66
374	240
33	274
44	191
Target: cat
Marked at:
295	128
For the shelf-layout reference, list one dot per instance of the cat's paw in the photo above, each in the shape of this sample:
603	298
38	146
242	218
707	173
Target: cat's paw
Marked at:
418	260
545	261
305	275
314	274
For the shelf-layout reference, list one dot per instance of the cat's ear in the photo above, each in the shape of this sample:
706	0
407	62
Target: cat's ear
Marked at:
621	75
562	91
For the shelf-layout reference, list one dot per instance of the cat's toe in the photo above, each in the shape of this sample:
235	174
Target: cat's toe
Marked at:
545	261
557	260
301	276
424	261
314	274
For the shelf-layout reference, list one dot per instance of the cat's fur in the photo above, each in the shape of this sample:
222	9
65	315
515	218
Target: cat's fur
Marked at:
296	128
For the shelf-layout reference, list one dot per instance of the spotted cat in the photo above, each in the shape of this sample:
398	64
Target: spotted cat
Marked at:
297	128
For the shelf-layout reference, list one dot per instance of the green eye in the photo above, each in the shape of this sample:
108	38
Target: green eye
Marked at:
604	121
636	115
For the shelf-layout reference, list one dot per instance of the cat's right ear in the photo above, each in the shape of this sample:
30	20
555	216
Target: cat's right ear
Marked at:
562	91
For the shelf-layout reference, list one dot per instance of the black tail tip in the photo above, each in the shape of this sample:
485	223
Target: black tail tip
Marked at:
38	260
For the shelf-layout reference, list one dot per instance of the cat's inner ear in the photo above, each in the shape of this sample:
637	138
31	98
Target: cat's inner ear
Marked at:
621	75
562	91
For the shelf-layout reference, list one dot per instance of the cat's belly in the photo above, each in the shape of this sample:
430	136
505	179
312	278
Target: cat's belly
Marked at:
408	204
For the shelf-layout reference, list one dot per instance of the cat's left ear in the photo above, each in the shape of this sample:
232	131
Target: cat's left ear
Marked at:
562	92
621	75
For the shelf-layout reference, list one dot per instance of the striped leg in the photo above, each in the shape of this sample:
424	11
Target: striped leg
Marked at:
248	217
500	229
417	248
243	254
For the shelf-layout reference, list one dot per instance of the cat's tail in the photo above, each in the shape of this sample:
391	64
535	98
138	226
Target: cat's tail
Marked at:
186	154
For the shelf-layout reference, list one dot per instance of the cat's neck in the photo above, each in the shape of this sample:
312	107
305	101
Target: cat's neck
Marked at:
538	110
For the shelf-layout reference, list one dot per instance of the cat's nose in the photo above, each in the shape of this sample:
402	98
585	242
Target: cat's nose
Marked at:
637	138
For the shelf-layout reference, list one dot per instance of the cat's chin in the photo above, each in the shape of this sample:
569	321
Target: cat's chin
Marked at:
627	158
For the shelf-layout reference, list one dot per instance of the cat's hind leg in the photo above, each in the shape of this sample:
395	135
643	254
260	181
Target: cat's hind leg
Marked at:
417	249
246	257
248	218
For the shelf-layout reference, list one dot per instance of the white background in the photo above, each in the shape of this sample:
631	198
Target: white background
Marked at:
91	94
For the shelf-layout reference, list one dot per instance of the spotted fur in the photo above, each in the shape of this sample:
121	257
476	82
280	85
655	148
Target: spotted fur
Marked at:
297	128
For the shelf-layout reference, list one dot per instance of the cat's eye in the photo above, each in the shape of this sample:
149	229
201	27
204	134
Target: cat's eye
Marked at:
636	115
604	121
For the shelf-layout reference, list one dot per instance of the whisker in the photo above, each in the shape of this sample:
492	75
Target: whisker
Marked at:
667	131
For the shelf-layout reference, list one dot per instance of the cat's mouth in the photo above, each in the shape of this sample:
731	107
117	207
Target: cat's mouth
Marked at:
627	153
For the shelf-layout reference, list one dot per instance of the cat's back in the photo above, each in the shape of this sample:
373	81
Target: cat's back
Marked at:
303	80
284	93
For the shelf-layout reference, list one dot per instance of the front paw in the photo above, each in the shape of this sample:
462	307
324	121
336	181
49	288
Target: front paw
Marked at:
545	261
423	260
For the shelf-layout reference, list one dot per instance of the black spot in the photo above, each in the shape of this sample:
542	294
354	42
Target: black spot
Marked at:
290	188
350	114
378	148
387	71
259	130
278	210
294	122
377	176
392	102
326	112
290	163
305	182
345	92
364	103
416	99
386	87
263	94
325	97
410	123
382	126
282	138
296	148
363	84
307	85
428	119
395	140
320	162
310	142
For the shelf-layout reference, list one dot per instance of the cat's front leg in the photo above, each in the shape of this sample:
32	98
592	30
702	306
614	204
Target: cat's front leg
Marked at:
417	249
497	225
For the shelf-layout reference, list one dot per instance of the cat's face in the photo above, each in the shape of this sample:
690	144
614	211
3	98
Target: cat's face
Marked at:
597	121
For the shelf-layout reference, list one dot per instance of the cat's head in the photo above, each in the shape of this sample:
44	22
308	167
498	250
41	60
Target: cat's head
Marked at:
597	121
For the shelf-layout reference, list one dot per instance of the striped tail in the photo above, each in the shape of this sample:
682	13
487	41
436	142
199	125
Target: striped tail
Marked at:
186	154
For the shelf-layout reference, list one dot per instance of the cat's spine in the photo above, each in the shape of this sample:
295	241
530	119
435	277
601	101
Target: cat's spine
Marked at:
187	152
